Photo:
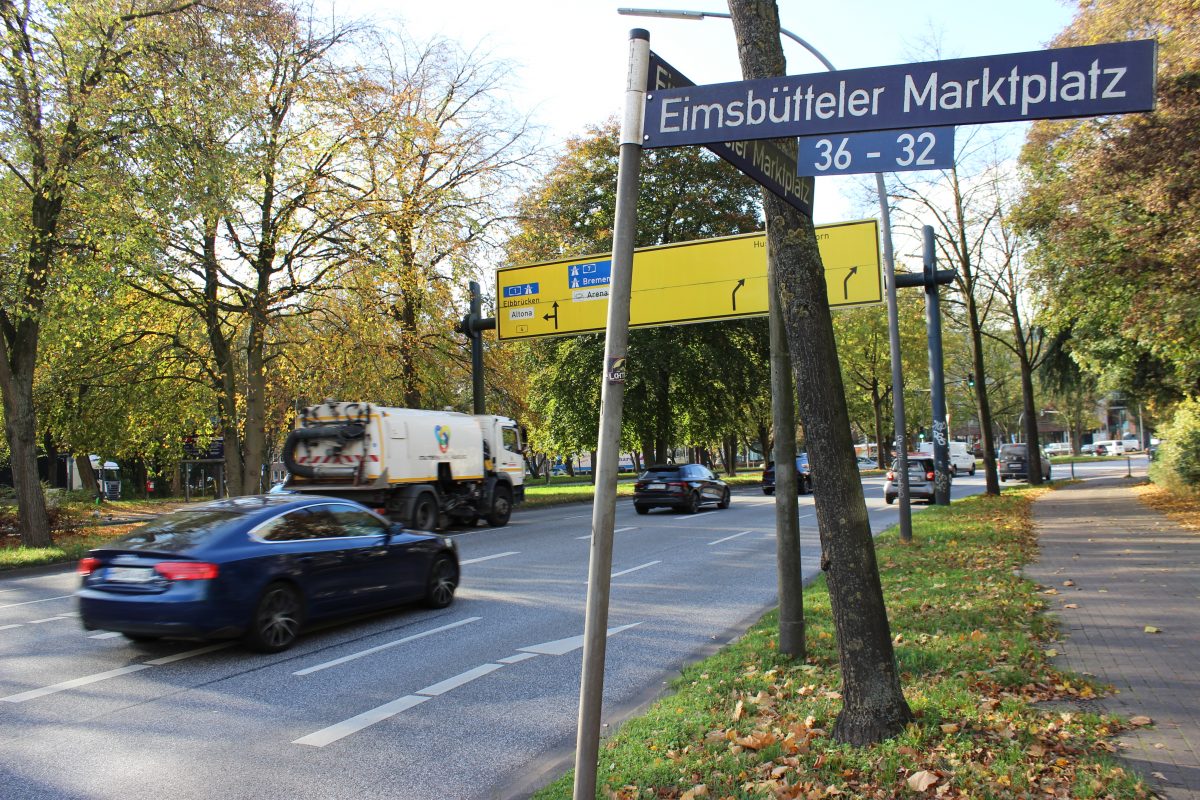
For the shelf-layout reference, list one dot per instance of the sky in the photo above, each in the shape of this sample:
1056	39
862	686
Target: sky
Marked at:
569	56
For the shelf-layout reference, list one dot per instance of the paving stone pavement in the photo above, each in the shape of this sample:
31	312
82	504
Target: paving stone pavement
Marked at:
1130	567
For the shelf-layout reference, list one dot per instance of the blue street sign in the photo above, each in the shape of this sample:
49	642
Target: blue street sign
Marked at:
520	289
765	163
876	151
1045	84
581	276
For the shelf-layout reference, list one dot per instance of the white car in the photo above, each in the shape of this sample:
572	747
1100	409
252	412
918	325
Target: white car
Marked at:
961	459
1058	449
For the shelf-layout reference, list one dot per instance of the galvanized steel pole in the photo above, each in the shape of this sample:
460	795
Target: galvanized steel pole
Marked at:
937	382
612	400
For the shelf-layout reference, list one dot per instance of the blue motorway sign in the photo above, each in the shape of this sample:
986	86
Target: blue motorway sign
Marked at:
520	289
766	163
1045	84
582	276
875	151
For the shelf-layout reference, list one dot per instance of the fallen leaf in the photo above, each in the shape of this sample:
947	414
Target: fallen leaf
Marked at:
1051	653
737	710
699	790
1037	750
1068	583
950	727
922	780
1071	605
1152	629
1140	719
1159	775
1050	591
1159	746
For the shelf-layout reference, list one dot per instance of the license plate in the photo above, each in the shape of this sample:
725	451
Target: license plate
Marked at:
656	486
129	575
1015	465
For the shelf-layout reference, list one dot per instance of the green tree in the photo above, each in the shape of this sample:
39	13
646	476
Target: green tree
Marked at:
68	86
1113	204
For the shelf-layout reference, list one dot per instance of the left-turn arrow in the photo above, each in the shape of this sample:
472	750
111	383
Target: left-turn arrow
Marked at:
553	316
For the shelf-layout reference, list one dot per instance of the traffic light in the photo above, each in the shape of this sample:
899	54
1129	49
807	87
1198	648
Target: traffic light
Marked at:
971	381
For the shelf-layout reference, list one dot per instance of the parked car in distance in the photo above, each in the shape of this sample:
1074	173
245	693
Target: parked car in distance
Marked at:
920	479
260	568
1058	449
683	487
803	476
1132	444
1087	450
865	463
961	459
1013	462
1110	447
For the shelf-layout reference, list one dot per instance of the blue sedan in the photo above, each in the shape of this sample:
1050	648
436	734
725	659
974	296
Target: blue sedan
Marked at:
260	568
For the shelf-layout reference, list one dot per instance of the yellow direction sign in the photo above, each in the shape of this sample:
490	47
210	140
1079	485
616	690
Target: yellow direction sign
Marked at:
675	284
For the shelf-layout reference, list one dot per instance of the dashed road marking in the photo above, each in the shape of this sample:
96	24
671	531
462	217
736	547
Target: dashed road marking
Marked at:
727	538
635	569
489	558
338	661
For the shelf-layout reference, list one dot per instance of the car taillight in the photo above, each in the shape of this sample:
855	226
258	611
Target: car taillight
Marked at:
677	485
88	565
891	475
186	570
928	476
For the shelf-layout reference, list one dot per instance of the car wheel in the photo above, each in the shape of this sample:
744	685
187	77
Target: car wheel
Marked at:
692	504
724	502
1047	475
641	509
443	580
802	486
1003	478
768	491
501	507
889	498
276	621
971	471
424	516
141	637
953	470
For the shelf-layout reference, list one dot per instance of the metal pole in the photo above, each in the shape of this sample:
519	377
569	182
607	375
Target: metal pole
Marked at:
787	516
937	383
476	350
612	399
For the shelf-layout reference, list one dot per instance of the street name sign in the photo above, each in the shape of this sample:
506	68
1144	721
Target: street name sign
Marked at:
700	281
1087	81
876	151
764	162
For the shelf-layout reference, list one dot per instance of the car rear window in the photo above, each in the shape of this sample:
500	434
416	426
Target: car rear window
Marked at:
1012	451
659	473
177	531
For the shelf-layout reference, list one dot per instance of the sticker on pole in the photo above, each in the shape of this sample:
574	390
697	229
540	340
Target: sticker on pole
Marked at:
616	369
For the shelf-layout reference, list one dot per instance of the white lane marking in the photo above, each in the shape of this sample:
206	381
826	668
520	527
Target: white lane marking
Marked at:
441	687
489	558
519	657
199	651
576	516
561	647
105	635
43	600
47	619
33	694
634	569
366	719
6	627
687	517
355	724
361	653
727	538
616	530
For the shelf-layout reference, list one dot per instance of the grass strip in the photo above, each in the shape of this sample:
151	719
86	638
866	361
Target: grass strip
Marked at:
972	645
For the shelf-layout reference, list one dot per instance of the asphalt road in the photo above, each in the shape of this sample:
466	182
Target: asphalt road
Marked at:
475	701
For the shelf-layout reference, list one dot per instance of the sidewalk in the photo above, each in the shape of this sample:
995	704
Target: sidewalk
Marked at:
1129	567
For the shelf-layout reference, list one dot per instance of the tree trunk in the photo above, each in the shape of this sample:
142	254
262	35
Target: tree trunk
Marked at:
874	706
1033	444
51	450
878	398
18	357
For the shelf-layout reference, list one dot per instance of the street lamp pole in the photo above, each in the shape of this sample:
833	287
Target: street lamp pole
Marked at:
888	262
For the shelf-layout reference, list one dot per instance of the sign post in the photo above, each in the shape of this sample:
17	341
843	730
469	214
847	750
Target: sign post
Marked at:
612	401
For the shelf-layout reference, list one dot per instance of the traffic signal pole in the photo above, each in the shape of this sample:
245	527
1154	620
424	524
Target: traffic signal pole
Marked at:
930	278
473	325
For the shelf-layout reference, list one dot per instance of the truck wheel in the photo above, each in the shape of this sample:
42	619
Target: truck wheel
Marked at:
424	516
501	507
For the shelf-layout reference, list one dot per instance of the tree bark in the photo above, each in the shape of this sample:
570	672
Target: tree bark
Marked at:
874	705
18	357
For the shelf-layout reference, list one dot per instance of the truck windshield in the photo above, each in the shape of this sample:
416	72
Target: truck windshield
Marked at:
511	439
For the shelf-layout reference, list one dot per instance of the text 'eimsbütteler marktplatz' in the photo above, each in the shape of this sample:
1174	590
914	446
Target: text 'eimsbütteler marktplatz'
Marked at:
1067	82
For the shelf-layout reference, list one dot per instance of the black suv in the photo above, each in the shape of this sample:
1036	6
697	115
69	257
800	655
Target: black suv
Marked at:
1013	462
685	488
803	476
